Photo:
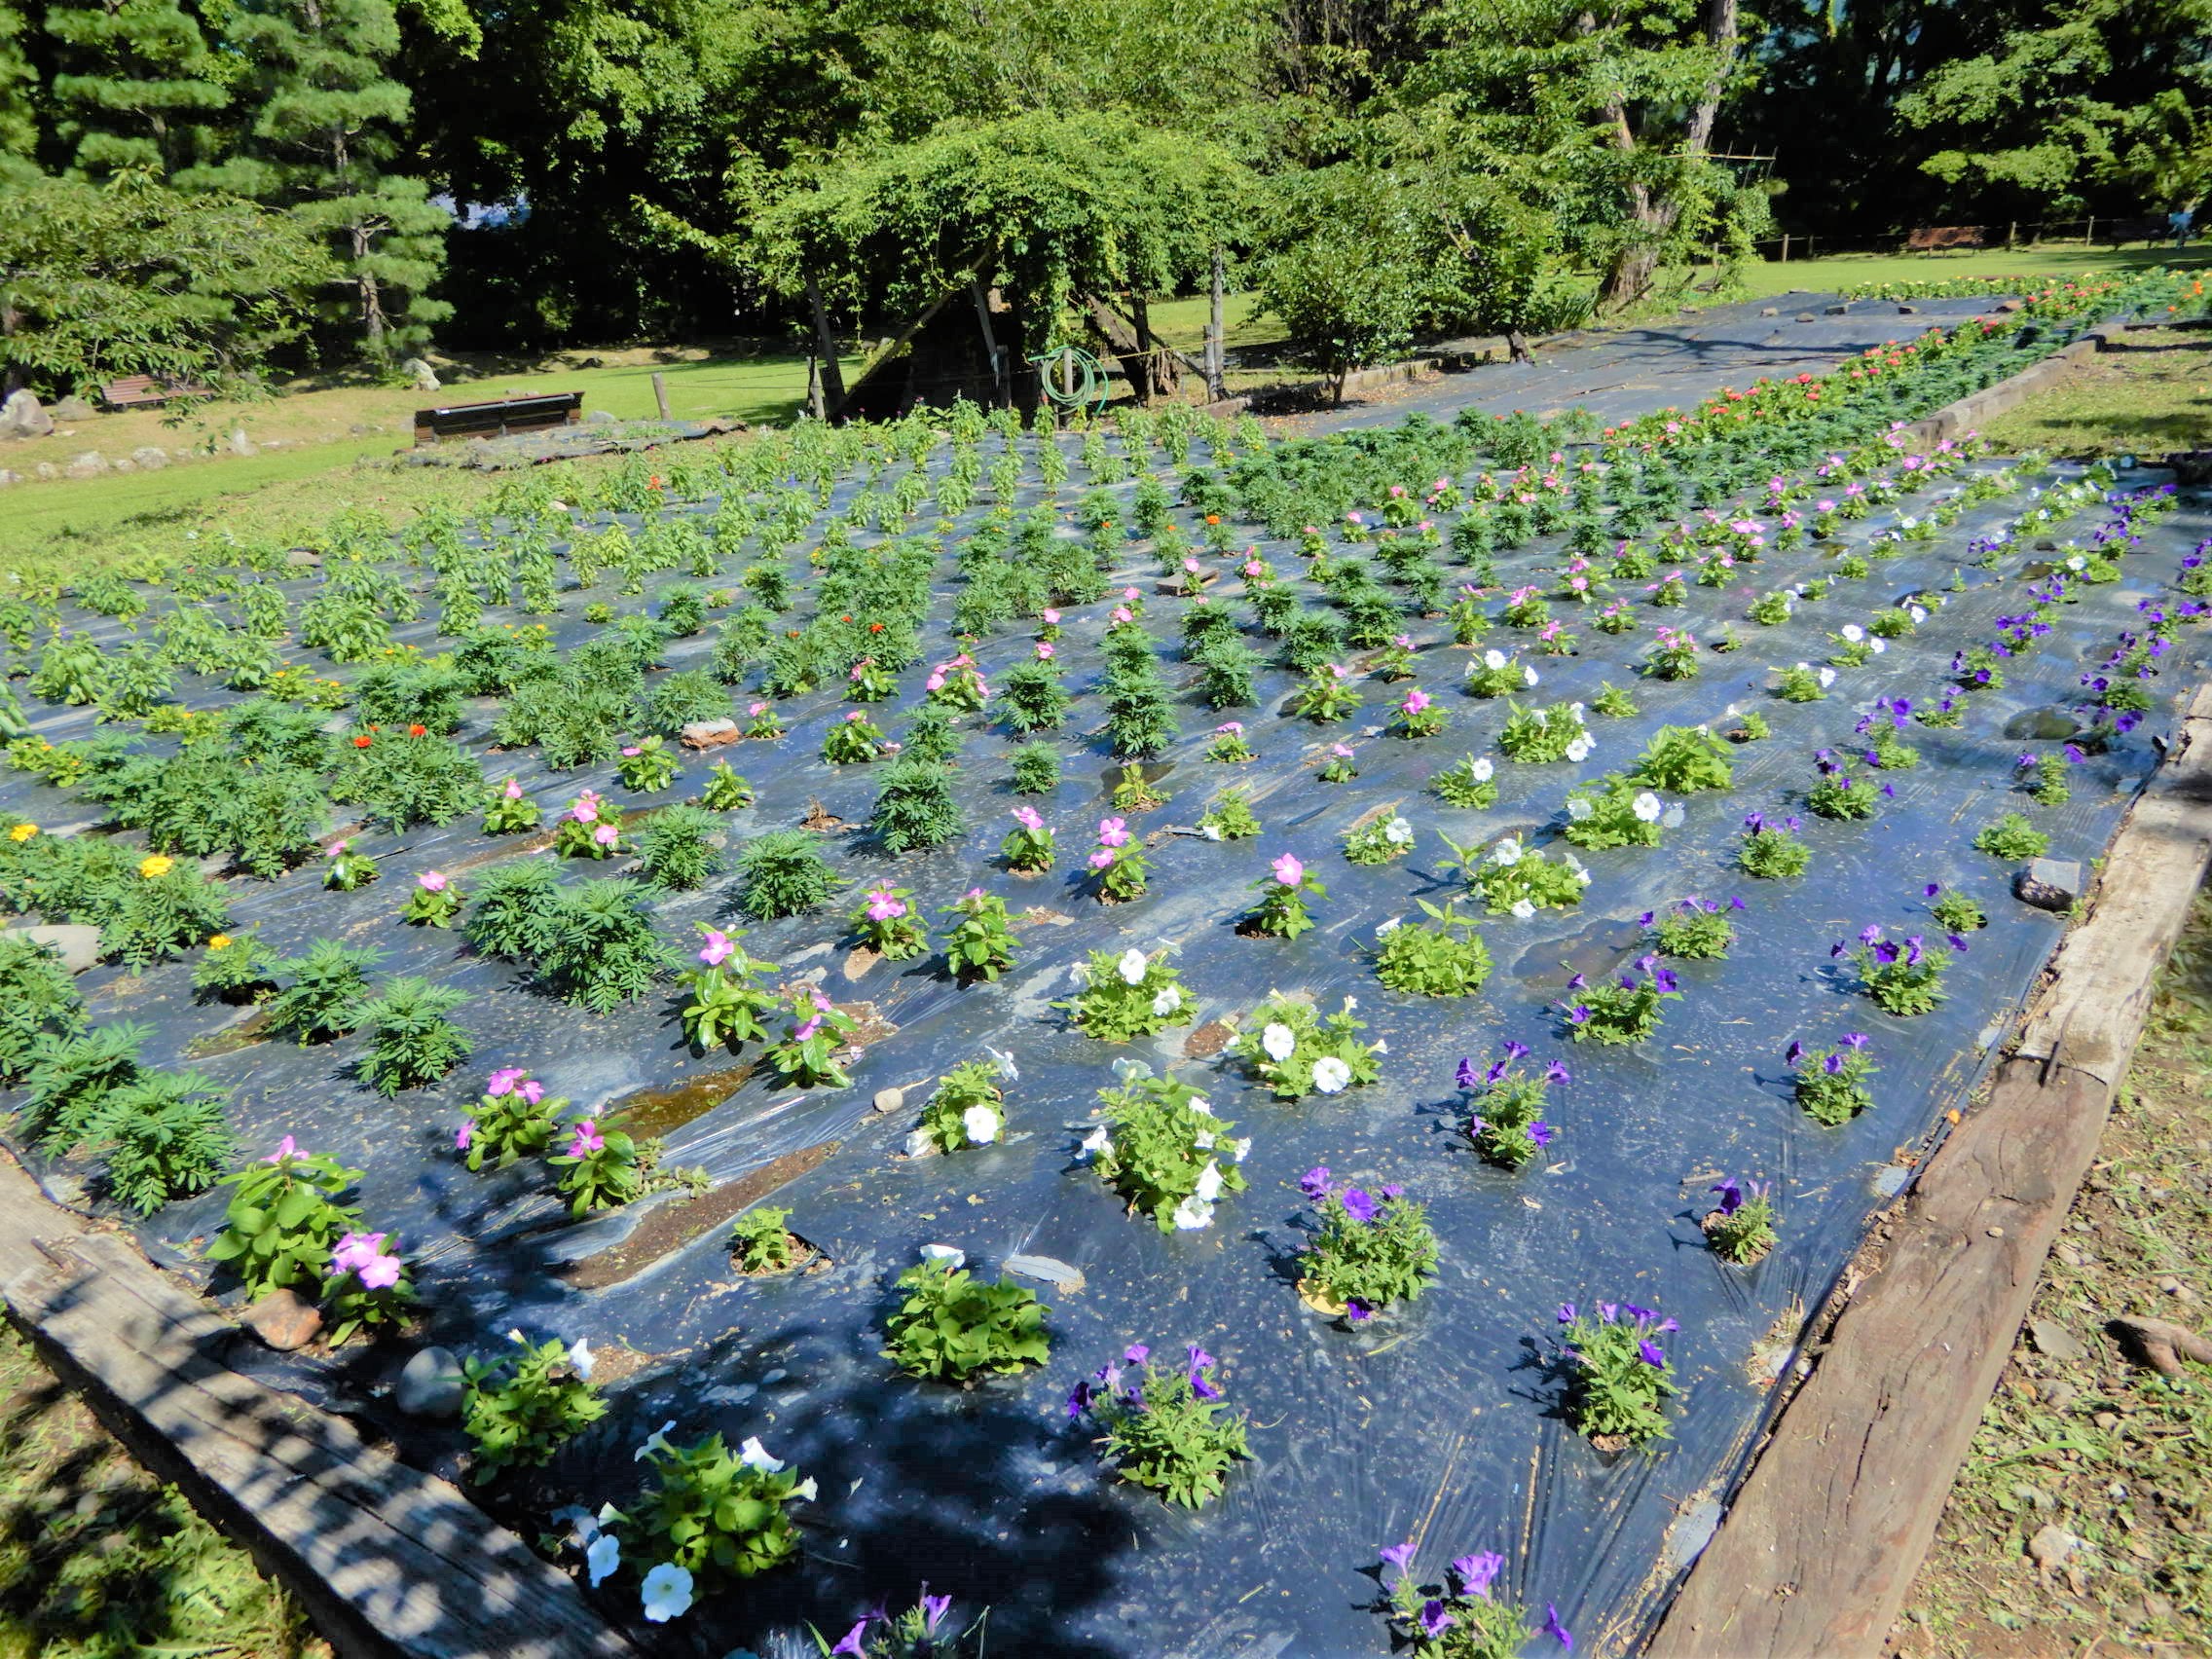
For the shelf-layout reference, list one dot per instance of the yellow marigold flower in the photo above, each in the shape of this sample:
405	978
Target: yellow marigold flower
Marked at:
156	864
218	942
22	831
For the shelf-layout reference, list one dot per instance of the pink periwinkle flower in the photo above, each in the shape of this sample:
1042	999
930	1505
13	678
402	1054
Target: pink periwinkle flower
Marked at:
1101	859
1052	618
1113	832
1416	701
514	788
1122	613
1288	870
285	1148
756	710
631	750
503	1080
884	905
1026	817
379	1272
1044	652
588	1139
935	680
430	882
607	834
355	1250
717	951
1341	750
463	1137
1232	728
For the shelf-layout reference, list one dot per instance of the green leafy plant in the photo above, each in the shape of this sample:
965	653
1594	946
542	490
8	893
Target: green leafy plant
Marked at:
720	1515
1955	912
1618	1377
1297	1051
1281	912
782	873
1802	684
410	777
510	810
815	1029
726	1006
1683	759
1229	816
1740	1228
1447	960
523	1407
411	1040
761	1243
2012	837
344	870
1623	1011
597	947
853	741
951	1327
435	902
725	791
601	1168
1693	928
591	828
980	942
1904	978
326	985
676	849
1166	1427
163	1136
513	902
1544	736
1036	769
915	807
1371	1250
1127	996
1465	1618
1516	880
283	1219
1772	851
513	1118
69	1072
1505	1109
1163	1149
968	1107
236	968
1468	784
647	765
1837	795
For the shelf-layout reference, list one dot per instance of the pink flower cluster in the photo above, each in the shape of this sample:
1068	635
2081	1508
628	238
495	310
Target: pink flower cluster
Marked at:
363	1255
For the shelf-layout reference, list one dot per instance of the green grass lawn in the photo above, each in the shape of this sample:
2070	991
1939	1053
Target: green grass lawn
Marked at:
2151	393
1849	269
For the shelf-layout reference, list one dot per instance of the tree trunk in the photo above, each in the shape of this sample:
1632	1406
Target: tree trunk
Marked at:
1636	266
1122	340
1161	373
1217	387
825	348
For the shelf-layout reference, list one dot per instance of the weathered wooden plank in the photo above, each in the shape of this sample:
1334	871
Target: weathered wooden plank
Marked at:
387	1560
1821	1545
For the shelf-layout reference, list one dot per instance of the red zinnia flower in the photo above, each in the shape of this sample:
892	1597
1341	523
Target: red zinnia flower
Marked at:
361	742
417	731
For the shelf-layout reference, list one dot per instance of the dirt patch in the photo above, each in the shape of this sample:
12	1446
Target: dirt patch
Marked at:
1208	1040
673	1226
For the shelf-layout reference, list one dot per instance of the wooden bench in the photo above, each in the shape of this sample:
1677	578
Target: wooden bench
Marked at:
1939	239
139	391
500	419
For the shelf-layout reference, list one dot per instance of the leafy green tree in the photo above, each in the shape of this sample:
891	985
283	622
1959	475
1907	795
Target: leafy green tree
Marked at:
135	84
329	122
2067	98
19	82
135	277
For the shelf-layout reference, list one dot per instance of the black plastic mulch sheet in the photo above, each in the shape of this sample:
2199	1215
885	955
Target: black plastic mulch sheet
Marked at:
1437	1422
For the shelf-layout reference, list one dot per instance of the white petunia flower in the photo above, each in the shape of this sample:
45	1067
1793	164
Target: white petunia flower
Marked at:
1576	709
1384	929
1647	806
806	1489
1397	831
1579	809
1238	1147
1481	770
755	1456
1507	851
1380	1046
1828	677
603	1558
1212	833
1004	1062
1278	1041
1330	1075
1493	658
1877	646
666	1592
1127	1071
1202	1106
1191	1215
1204	1140
982	1124
1853	632
1528	675
1096	1142
1523	909
1350	1003
1132	967
1579	750
1917	613
657	1441
946	1255
1167	1001
1210	1183
581	1358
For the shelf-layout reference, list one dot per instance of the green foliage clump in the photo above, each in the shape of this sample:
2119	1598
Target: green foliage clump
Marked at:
1163	1149
954	1328
68	1077
915	807
2013	837
38	998
163	1136
1371	1250
676	849
717	1516
513	902
1036	769
283	1219
1161	1433
597	947
404	780
782	873
411	1040
328	983
761	1244
523	1407
1614	1390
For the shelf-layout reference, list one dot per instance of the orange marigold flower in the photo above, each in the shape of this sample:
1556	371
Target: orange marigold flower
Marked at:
362	742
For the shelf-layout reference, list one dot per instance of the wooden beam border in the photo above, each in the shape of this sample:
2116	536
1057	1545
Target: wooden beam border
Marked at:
387	1560
1821	1543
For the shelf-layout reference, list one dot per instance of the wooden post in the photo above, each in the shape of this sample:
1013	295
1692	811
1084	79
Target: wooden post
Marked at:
999	395
2089	236
2011	234
831	397
1217	387
1785	247
660	394
814	388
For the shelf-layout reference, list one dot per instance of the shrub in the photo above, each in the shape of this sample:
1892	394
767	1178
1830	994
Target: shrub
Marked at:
406	780
411	1040
171	906
2013	837
1371	1250
932	736
513	902
782	873
328	980
409	694
38	998
1161	1431
1447	960
69	1077
1036	769
915	807
1618	1376
1031	698
761	1243
164	1138
685	696
597	948
953	1328
676	849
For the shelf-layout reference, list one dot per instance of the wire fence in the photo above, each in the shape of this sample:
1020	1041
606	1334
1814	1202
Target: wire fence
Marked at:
2091	230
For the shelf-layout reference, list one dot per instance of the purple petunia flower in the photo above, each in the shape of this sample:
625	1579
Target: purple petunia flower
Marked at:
1793	1054
1199	1385
933	1609
1358	1204
1932	889
1557	1072
1553	1627
1515	1050
1136	1353
1465	1075
1314	1182
1541	1133
1648	1351
1832	1065
1392	1192
1397	1555
1731	1195
1475	1573
1566	1313
1434	1620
